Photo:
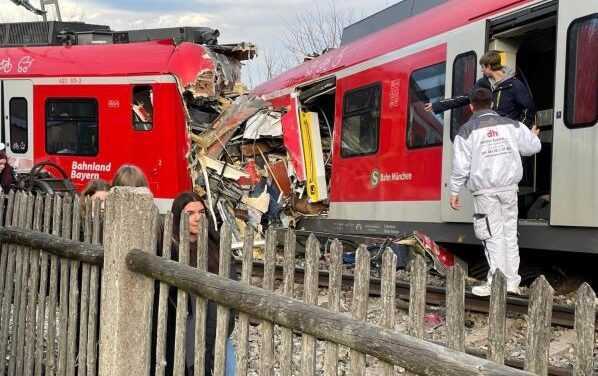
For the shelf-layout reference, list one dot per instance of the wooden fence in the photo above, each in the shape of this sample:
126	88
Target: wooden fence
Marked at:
49	291
131	346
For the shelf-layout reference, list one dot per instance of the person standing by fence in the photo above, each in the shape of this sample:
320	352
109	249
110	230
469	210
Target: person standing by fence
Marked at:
487	156
191	204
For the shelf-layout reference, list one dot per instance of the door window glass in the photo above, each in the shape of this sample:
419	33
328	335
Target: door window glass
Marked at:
425	85
143	108
361	120
581	82
464	73
19	125
72	126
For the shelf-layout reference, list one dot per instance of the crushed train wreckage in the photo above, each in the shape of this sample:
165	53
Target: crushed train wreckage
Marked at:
258	165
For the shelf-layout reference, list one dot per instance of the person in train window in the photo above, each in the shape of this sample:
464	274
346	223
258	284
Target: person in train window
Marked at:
511	97
487	158
7	173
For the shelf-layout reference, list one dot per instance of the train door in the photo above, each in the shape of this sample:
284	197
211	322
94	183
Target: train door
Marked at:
464	48
17	105
574	198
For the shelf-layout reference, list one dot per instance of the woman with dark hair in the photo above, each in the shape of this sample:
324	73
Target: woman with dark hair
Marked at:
7	175
191	204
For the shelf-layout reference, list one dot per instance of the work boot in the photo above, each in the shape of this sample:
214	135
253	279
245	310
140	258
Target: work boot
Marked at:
514	290
481	290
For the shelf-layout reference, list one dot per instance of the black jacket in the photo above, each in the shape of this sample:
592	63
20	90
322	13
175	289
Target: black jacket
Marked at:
511	99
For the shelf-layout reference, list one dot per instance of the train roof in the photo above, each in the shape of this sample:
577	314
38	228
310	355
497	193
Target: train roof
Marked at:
185	60
435	21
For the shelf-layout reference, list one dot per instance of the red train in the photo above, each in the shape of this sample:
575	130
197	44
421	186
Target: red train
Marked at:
391	159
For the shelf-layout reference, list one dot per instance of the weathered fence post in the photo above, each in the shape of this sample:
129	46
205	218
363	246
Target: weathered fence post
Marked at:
538	326
497	320
417	297
310	296
359	306
243	342
389	287
585	322
267	328
126	298
334	302
455	308
288	285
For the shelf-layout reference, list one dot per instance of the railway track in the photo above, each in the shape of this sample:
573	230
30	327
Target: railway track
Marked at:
562	315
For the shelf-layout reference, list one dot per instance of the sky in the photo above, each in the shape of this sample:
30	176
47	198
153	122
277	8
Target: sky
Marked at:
262	22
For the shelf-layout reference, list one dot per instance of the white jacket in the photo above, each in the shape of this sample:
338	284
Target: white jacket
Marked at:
487	153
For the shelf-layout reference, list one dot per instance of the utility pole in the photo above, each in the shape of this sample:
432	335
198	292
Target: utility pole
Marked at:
43	4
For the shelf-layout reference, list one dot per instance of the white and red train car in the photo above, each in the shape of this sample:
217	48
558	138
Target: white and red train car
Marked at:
391	160
91	108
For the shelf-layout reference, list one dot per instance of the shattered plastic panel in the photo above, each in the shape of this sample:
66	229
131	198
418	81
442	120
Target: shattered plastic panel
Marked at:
292	139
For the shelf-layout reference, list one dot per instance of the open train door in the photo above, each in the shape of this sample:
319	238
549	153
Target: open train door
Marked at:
464	48
18	122
574	198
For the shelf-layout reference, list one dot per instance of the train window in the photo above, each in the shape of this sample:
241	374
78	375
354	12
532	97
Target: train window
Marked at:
143	108
361	119
72	126
425	85
464	73
581	83
19	125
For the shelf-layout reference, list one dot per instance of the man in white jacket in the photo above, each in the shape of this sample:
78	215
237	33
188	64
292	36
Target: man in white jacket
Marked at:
487	158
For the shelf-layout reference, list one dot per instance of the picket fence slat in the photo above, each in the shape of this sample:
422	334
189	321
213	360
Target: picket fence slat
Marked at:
51	361
84	306
310	296
163	301
334	303
73	311
585	325
267	328
497	322
359	305
94	297
64	289
288	287
389	278
28	361
223	316
201	304
16	329
43	288
180	338
538	326
455	308
243	334
7	278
